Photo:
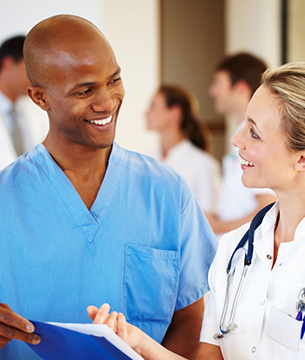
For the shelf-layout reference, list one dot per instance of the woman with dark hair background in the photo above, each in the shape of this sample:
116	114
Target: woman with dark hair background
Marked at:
185	142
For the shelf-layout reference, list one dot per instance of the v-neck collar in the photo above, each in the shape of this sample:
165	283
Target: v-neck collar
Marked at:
88	220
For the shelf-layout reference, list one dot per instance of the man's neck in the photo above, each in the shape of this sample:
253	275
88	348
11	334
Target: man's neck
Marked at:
84	166
239	115
6	91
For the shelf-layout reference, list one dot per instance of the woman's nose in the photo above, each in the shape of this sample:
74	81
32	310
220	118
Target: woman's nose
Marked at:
238	139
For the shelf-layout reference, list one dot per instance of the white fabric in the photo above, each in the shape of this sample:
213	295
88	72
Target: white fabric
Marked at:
199	168
235	200
33	123
263	287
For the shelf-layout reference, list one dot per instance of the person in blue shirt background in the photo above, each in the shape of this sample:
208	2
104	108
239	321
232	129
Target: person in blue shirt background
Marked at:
86	221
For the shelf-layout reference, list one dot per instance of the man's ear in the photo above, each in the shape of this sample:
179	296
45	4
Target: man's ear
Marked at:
300	164
38	95
7	62
241	86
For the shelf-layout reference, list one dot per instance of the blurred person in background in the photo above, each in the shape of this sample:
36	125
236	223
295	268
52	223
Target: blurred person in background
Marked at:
185	142
236	79
22	124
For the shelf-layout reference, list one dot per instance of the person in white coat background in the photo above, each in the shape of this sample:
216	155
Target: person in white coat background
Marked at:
185	142
22	124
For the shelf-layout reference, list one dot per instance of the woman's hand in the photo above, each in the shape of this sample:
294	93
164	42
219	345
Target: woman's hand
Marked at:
117	322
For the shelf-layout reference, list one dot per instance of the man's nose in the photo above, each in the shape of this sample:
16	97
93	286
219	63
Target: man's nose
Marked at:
104	101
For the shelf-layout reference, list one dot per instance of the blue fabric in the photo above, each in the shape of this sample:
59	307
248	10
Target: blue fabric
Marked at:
144	247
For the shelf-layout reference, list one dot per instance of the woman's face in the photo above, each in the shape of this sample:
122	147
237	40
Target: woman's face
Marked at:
265	158
158	116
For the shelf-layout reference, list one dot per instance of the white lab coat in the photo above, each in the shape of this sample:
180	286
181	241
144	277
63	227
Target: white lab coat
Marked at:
200	170
263	287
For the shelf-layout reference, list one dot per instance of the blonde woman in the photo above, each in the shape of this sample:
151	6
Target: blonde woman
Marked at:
268	322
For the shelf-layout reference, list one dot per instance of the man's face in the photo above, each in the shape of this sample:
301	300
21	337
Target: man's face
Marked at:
222	91
17	81
84	93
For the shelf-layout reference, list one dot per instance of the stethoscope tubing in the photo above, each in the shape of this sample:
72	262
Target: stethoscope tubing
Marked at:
248	236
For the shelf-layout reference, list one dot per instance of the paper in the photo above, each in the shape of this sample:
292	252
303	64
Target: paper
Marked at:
284	329
80	341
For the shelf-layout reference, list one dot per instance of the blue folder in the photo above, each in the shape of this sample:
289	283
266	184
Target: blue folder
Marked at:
60	343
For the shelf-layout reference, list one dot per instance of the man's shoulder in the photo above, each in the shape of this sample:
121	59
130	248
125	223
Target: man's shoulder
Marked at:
148	166
152	172
21	167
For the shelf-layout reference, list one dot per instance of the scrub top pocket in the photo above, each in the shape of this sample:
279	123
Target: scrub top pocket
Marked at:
151	283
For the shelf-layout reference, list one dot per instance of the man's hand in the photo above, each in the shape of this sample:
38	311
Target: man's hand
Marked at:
13	326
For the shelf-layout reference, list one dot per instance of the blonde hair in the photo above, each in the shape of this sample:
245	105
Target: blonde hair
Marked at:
288	83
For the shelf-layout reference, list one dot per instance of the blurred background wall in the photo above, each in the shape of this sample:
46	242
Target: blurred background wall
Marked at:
177	41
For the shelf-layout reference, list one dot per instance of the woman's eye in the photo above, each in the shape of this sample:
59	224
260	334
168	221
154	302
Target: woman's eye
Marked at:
253	134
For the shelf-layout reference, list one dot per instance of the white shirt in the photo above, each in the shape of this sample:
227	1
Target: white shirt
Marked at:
199	168
263	287
33	123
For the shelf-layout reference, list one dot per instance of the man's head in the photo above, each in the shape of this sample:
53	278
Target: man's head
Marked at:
75	78
13	79
236	79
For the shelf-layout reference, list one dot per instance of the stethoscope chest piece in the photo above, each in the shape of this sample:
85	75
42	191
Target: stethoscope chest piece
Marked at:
221	335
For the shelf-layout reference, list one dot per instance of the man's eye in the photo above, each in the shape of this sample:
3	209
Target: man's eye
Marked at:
253	134
85	92
115	80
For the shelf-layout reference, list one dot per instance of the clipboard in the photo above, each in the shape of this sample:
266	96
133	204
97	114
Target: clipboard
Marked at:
61	341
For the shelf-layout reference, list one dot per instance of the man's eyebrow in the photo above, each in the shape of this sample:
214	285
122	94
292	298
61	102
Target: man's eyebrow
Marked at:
115	74
85	84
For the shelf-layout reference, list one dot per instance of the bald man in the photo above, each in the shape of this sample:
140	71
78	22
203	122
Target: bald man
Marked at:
84	221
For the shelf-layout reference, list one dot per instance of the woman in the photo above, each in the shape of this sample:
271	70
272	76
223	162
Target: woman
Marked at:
268	316
185	142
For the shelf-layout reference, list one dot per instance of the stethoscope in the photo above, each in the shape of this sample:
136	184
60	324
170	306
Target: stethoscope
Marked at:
249	236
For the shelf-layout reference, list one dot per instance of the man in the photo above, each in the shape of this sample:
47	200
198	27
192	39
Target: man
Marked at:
236	79
88	222
22	125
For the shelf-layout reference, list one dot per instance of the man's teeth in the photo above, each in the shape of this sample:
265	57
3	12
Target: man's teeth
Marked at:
244	162
101	122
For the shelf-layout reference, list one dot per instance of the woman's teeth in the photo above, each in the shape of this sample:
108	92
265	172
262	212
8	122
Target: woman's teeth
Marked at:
244	162
101	122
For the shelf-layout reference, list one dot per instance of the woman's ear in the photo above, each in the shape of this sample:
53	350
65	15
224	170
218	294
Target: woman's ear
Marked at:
176	112
38	95
300	164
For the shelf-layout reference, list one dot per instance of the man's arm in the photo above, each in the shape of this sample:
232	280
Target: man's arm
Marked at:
182	336
13	326
219	226
209	352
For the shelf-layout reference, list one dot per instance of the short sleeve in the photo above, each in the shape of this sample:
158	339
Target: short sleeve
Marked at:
197	250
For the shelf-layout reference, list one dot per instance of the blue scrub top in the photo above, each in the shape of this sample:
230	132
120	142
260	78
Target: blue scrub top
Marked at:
144	247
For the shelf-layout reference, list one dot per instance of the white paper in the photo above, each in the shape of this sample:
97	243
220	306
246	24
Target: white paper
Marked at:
284	329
